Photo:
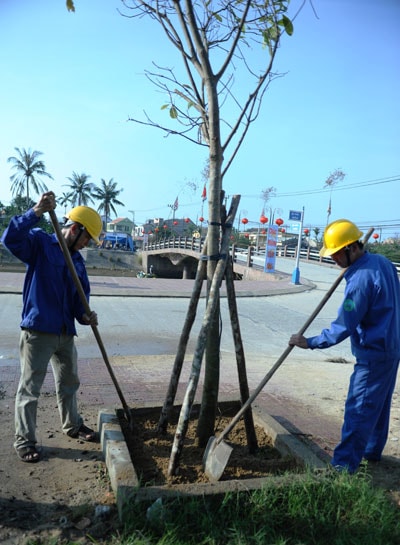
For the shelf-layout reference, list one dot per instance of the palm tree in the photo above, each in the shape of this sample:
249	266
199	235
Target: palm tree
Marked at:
81	189
107	195
65	199
28	169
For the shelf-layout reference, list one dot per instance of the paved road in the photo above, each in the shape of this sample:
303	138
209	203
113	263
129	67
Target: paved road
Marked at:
146	316
141	334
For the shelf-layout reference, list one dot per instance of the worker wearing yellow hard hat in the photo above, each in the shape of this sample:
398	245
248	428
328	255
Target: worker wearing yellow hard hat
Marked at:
51	306
87	218
370	316
338	235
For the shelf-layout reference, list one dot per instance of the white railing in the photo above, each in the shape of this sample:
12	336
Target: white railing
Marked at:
183	243
249	257
256	259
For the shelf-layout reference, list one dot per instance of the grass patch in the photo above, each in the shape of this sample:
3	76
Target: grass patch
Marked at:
340	510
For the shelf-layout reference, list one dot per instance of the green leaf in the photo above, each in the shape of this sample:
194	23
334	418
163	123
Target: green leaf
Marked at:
70	5
287	25
173	112
218	17
165	106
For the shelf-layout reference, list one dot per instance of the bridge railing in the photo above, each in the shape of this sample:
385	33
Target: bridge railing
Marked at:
256	258
183	243
249	257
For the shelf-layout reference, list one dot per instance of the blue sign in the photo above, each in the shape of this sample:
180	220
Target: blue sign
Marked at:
294	215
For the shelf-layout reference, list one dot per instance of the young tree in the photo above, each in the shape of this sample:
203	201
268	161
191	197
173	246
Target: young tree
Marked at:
107	195
317	231
81	189
28	169
333	178
215	41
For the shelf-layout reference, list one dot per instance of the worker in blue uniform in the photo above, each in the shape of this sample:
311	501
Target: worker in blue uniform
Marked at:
370	316
51	304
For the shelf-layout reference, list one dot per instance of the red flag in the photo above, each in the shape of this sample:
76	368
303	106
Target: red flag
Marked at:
175	207
204	194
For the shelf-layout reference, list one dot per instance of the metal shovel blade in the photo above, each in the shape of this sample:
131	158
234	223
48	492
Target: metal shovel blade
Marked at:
215	458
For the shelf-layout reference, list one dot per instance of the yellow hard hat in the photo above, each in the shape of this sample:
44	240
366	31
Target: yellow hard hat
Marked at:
337	235
89	218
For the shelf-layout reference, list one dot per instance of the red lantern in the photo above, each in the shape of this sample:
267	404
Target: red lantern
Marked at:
279	222
263	232
187	220
283	230
246	235
156	229
306	231
201	219
375	236
263	219
165	226
175	222
244	221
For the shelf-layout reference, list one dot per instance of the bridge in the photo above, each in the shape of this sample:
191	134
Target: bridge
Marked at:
177	257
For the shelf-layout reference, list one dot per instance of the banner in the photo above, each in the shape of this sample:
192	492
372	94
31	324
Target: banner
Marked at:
270	249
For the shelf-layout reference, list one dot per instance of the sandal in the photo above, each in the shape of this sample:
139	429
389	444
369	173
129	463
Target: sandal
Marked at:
28	454
85	434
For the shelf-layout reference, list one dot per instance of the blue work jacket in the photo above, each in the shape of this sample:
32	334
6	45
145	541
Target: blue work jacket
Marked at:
51	302
370	312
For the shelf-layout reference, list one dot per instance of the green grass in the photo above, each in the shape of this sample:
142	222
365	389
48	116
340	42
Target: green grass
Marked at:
344	510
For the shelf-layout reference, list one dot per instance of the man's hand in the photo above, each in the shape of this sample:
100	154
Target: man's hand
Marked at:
298	340
46	203
91	319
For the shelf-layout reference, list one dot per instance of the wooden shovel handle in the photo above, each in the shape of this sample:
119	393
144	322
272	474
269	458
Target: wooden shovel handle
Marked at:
86	306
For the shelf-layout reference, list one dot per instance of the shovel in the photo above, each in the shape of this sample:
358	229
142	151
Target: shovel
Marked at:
78	285
217	452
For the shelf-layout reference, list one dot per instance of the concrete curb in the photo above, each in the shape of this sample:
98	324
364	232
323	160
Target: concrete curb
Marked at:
124	479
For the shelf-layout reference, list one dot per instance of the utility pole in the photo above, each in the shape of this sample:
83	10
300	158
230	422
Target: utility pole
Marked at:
133	221
296	272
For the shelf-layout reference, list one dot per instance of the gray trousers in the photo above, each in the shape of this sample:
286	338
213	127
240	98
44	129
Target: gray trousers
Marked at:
36	350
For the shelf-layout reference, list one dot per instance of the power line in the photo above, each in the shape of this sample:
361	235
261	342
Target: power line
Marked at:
378	181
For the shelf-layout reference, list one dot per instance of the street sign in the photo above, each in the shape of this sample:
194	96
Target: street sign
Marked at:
294	215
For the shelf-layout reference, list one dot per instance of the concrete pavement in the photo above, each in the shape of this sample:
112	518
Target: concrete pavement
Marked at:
112	286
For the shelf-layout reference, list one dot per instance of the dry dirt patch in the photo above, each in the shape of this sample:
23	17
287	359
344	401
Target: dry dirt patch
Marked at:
150	450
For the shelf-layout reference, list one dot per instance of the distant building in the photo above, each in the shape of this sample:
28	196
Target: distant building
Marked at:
120	225
178	227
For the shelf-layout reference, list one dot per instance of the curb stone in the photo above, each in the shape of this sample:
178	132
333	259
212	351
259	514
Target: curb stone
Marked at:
124	479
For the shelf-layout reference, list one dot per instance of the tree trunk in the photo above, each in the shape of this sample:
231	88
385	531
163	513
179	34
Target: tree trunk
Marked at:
180	355
212	304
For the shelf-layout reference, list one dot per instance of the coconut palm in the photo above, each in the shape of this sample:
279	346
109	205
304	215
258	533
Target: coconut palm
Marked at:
28	170
81	189
65	199
107	195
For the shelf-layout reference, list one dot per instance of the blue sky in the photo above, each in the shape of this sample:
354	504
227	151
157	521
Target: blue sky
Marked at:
71	80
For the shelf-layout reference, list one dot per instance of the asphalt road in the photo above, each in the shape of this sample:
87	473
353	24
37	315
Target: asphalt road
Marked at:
145	326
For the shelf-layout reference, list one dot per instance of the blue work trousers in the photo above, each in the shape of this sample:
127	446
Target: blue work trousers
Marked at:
367	414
